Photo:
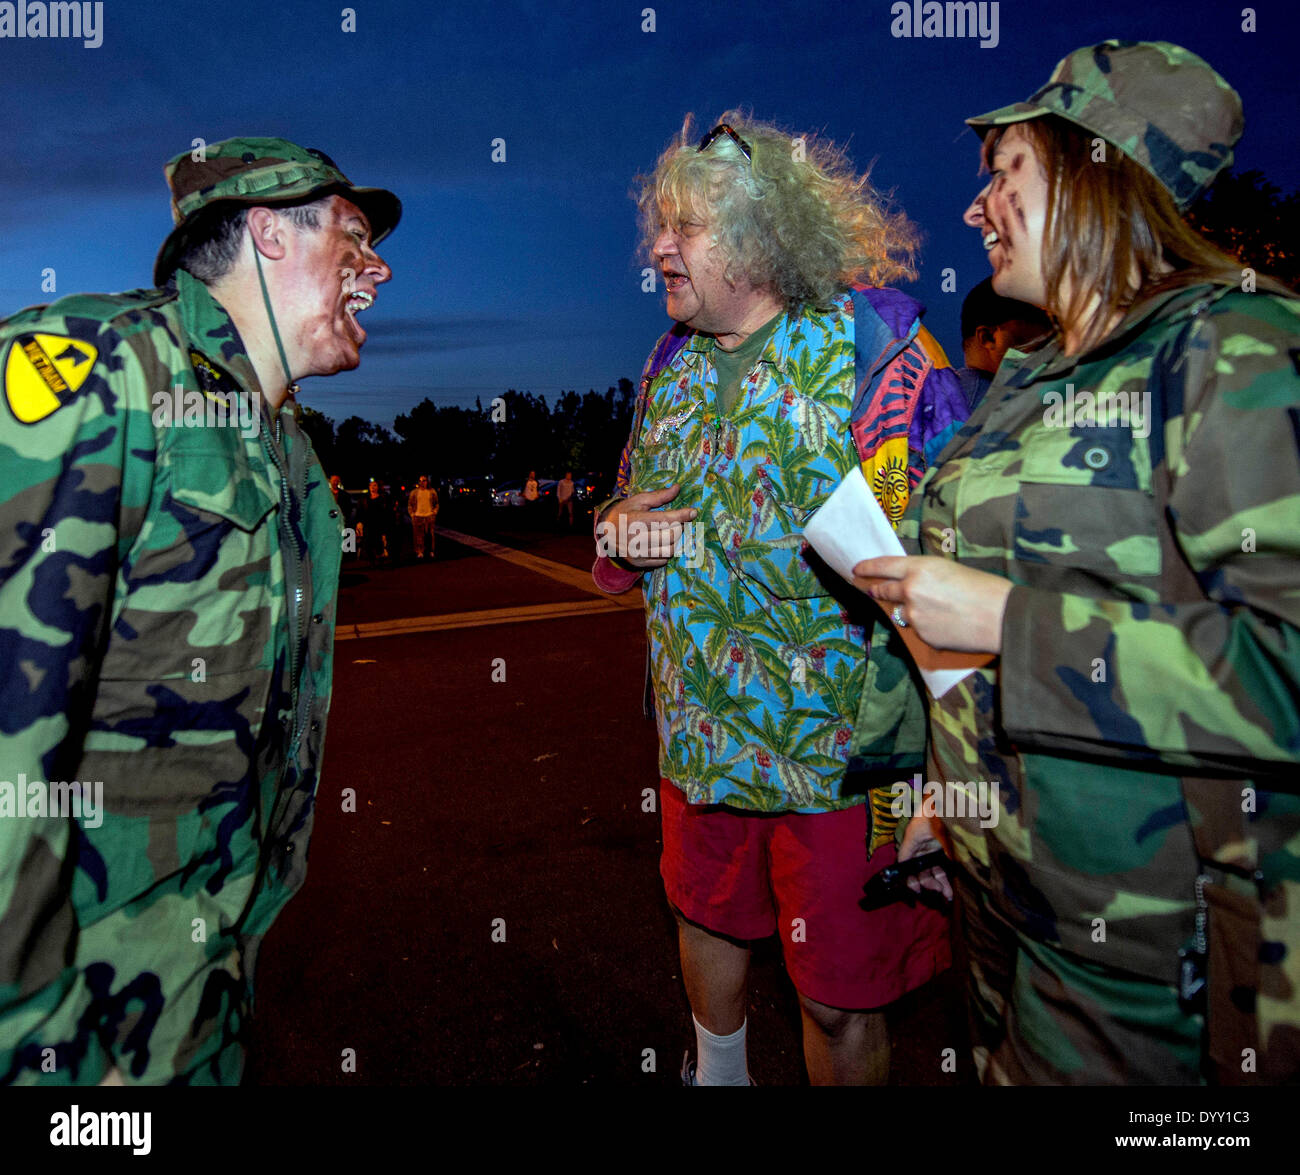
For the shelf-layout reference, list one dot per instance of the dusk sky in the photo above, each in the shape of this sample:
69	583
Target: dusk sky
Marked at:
525	274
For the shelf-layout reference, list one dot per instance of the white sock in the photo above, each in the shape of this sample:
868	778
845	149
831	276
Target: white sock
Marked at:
720	1060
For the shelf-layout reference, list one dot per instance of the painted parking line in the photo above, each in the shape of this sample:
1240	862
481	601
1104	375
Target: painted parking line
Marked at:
561	572
449	620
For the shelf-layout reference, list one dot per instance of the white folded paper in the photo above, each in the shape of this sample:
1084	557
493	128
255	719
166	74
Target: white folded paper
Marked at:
851	527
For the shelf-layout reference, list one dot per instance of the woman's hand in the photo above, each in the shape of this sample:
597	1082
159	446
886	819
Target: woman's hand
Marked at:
948	605
919	838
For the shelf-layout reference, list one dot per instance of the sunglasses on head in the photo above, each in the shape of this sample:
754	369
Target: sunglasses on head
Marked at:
723	129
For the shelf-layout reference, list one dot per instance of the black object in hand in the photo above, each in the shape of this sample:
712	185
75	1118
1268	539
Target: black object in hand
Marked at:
890	884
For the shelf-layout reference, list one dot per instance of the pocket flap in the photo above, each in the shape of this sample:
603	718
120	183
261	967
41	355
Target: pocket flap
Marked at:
210	473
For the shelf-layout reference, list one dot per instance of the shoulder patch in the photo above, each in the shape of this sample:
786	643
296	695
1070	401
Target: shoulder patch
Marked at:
43	372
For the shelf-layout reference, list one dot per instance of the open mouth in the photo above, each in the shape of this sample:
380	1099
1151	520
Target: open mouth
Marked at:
991	238
674	280
358	300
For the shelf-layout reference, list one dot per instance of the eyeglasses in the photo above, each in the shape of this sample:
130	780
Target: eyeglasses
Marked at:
723	129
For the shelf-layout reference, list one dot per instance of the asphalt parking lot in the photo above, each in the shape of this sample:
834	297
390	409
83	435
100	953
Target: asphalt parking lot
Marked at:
491	913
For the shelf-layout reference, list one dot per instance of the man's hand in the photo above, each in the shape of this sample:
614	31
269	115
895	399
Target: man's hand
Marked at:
919	838
949	606
638	533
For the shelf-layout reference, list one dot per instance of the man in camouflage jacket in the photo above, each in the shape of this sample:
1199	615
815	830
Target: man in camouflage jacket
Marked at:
169	557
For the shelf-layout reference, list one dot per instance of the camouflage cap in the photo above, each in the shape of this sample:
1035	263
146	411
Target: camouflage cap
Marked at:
1160	104
258	172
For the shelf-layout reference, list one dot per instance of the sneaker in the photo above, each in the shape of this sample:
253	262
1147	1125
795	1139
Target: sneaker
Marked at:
688	1070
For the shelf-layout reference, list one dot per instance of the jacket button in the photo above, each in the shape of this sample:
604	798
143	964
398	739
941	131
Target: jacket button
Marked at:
334	513
1096	458
318	618
315	725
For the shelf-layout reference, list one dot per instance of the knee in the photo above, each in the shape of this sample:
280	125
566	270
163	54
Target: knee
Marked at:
832	1023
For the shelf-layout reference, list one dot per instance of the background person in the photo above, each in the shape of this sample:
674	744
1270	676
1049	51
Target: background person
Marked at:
375	521
990	326
422	505
764	693
532	498
1132	916
564	489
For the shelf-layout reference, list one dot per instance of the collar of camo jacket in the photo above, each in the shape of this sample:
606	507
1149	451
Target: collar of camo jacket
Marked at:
1050	360
212	331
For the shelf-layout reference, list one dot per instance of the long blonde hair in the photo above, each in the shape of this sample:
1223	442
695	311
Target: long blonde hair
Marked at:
796	216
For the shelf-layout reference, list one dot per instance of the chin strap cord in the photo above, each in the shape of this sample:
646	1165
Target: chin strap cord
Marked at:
291	388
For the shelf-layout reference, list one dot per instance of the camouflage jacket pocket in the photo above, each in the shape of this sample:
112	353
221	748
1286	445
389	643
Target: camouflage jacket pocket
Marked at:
1087	528
1085	503
202	580
217	481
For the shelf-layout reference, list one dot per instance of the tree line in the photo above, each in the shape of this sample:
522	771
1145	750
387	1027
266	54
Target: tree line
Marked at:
504	439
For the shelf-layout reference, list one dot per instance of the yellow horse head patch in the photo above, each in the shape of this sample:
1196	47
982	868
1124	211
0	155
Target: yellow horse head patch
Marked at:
44	372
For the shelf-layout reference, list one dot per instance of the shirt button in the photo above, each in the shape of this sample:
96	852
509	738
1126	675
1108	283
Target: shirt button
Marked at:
334	513
710	478
690	662
318	618
1097	457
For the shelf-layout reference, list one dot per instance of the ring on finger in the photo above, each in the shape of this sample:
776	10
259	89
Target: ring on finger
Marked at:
898	616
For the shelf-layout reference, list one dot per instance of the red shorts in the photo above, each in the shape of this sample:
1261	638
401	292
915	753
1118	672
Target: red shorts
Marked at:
748	875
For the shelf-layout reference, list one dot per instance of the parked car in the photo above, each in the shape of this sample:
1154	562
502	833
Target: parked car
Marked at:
508	493
469	491
511	493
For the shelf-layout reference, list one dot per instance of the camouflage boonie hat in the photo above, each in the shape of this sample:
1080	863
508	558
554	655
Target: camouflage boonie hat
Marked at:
1160	104
258	172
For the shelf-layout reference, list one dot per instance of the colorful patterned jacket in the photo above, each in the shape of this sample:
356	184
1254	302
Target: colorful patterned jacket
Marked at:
771	693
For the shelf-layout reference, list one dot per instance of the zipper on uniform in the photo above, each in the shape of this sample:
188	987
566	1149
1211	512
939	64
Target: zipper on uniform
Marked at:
1193	961
295	612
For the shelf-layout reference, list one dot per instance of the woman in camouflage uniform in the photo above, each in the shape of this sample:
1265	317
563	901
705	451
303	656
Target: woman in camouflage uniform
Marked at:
1118	523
